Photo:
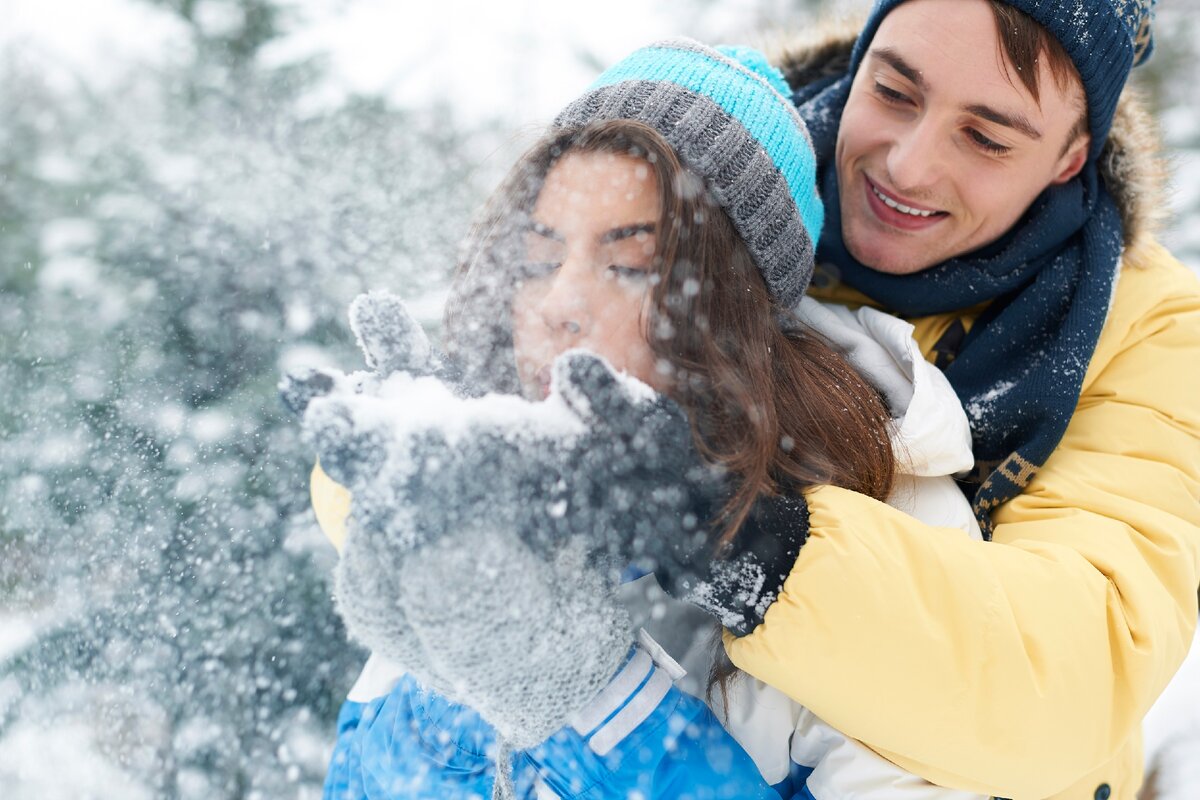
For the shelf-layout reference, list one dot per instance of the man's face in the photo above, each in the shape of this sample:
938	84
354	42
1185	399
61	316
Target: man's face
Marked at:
939	152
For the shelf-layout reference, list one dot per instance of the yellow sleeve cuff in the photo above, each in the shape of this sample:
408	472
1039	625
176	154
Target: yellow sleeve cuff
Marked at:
331	504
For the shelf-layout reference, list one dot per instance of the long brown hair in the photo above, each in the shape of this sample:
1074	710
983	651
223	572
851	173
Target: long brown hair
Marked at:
769	401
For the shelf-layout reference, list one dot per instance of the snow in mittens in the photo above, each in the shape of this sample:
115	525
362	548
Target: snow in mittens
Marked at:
476	550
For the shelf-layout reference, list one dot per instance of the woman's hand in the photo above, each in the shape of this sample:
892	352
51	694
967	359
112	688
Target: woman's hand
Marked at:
392	342
642	494
486	534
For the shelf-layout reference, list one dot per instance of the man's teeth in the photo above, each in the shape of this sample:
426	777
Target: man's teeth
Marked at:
903	209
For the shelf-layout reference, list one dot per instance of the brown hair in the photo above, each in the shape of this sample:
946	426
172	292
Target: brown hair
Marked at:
1023	42
777	407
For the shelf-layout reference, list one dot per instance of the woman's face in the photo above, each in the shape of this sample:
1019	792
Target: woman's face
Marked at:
589	269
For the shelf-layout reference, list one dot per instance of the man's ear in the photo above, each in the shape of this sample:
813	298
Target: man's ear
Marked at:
1070	162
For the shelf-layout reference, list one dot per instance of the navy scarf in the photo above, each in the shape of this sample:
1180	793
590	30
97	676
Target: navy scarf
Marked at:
1049	280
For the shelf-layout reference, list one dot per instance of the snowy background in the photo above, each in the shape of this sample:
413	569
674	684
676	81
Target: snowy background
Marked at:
191	191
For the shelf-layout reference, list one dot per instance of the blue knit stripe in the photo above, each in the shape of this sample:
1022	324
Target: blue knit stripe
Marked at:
767	116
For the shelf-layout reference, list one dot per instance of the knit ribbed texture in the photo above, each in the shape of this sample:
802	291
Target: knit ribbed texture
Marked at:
727	119
1105	39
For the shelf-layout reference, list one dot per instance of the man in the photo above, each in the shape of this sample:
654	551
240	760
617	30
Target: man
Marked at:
976	183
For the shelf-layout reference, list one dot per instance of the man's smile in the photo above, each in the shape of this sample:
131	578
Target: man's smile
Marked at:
899	212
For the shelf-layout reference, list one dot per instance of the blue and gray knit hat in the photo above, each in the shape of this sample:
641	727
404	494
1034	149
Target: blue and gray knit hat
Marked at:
1105	39
727	114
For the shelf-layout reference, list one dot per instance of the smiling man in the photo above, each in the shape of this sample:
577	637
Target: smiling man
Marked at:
933	167
985	178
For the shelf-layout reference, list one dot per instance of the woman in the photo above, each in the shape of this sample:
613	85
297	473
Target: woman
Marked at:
667	223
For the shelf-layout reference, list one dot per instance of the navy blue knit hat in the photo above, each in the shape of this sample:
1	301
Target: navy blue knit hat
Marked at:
1105	39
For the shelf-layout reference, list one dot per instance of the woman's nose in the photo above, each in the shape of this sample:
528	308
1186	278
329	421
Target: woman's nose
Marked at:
566	305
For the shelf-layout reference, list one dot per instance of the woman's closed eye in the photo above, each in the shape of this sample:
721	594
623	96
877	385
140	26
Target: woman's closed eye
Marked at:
544	251
627	274
538	268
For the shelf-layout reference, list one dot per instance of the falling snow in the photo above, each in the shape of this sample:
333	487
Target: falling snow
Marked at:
180	224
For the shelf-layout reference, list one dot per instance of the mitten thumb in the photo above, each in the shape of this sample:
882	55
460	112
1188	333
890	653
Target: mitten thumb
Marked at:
350	445
299	387
391	340
594	391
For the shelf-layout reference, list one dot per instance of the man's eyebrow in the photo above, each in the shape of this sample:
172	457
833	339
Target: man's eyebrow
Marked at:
617	234
1018	122
546	231
894	60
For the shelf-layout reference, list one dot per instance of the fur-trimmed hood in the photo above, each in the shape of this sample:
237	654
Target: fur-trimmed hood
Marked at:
1132	164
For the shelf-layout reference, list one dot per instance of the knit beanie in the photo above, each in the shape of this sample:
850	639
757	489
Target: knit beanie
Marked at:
727	114
1105	39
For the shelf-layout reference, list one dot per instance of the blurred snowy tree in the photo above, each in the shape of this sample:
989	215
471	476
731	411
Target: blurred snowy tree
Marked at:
1170	81
233	31
165	248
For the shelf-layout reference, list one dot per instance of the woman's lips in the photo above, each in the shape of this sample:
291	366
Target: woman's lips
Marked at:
915	218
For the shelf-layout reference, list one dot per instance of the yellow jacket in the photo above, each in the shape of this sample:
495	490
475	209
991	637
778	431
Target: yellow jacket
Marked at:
1015	666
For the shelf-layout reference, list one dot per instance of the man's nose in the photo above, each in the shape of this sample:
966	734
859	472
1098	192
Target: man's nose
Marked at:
915	159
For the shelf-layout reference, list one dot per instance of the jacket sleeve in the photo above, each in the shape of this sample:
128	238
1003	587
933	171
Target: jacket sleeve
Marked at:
410	743
1015	667
331	504
644	737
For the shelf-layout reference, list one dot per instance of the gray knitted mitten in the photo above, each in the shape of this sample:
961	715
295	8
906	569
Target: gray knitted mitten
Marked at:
524	640
484	526
392	342
434	538
635	484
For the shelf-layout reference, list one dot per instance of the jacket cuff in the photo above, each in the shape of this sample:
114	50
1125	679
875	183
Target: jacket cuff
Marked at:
331	504
740	583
